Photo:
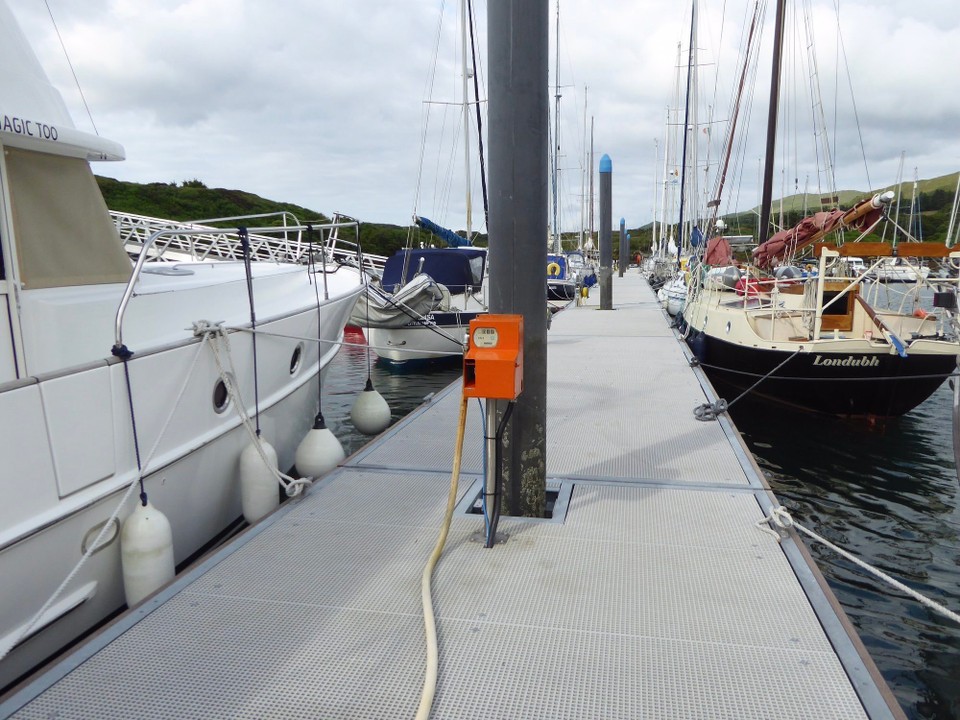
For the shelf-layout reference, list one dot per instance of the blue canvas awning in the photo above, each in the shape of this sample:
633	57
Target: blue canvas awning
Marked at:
456	268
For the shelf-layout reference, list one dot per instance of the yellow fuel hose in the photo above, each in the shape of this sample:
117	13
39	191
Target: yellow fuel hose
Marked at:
429	621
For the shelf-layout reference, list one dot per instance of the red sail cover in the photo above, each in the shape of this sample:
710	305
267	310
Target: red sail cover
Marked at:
718	252
809	230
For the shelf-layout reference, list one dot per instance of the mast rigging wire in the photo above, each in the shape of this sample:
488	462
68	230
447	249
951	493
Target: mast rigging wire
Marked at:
72	71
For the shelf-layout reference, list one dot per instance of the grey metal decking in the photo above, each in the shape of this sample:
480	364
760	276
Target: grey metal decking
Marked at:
656	597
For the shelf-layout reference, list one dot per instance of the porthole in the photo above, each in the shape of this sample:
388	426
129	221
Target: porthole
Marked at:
221	396
296	359
728	327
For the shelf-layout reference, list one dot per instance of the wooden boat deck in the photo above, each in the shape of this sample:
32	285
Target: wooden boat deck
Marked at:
654	595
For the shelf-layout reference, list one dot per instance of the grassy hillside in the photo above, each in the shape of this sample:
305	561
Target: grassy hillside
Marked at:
933	194
192	200
934	201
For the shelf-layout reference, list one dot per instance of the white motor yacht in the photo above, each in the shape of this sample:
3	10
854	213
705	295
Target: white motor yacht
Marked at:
119	378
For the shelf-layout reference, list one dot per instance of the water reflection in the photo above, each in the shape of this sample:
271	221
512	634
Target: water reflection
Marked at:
404	389
888	495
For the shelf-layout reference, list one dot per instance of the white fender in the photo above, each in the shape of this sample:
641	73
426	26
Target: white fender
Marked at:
146	553
319	452
259	489
370	412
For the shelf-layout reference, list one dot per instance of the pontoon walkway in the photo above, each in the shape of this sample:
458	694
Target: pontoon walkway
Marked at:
655	596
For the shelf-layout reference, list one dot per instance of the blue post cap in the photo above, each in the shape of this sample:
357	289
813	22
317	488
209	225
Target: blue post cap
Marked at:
606	166
622	223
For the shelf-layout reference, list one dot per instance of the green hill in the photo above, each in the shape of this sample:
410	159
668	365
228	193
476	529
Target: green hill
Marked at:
933	203
932	193
192	200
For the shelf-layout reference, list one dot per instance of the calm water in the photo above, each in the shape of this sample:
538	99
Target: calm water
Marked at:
403	390
888	496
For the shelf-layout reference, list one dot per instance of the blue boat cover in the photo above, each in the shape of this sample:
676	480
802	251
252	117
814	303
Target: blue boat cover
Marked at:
456	268
449	236
696	237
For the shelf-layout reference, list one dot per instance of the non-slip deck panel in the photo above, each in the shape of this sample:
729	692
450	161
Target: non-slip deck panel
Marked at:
599	423
657	597
619	613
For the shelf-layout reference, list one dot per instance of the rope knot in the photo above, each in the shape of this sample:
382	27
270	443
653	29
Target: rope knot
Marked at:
296	487
207	327
710	411
779	518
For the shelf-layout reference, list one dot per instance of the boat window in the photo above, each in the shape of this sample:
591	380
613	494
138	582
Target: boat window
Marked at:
476	269
62	228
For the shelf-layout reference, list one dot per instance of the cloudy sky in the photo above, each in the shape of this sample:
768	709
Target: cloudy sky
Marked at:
324	103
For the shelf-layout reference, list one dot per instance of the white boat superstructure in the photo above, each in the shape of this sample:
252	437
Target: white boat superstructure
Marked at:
425	317
897	269
111	374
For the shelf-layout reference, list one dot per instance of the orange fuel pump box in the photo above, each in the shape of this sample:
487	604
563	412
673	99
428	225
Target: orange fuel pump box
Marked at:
493	362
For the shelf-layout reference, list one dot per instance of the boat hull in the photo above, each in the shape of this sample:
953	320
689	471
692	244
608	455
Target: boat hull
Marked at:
438	336
868	384
561	290
191	468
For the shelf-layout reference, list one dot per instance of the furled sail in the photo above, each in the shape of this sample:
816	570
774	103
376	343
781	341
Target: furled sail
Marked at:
811	229
449	236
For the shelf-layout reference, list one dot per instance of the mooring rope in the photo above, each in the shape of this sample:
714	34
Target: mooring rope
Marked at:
414	315
710	411
341	343
292	486
779	517
114	516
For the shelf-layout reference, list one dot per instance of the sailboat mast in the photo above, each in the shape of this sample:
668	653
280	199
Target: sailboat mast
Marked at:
767	197
476	98
466	117
663	242
913	206
686	133
670	156
953	214
591	180
656	193
583	175
556	133
692	184
731	134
